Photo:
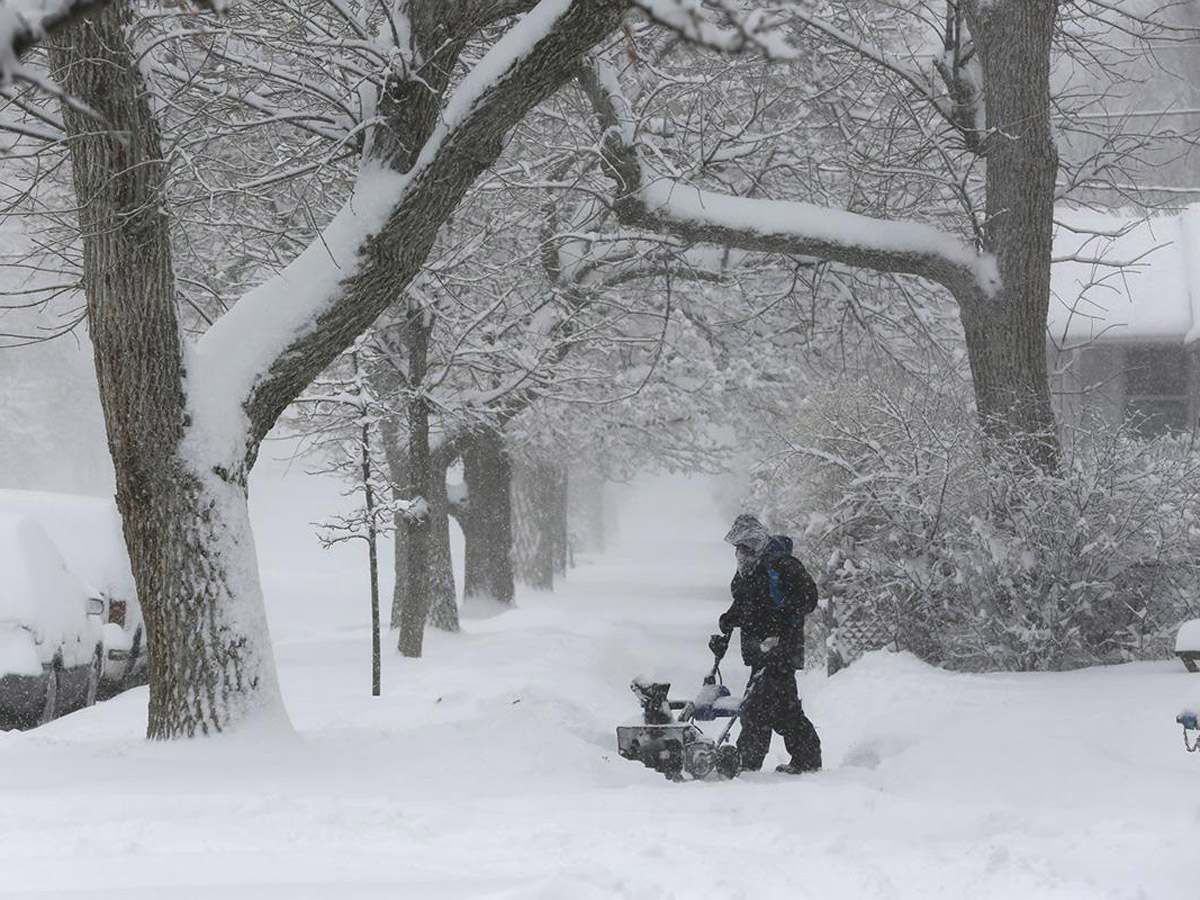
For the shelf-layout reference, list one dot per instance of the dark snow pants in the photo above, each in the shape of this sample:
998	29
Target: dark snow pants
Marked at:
774	705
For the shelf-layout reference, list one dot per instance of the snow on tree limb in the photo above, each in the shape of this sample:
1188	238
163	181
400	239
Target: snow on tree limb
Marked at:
275	340
657	203
739	30
225	364
25	23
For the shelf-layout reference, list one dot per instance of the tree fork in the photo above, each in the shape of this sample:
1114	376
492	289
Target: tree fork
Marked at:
187	530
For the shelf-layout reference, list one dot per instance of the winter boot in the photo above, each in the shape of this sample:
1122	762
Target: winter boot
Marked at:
795	768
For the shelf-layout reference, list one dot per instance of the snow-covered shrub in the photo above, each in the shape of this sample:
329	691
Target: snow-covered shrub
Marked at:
976	561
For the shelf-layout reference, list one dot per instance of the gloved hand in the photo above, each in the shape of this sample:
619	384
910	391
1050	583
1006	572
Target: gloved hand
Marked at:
718	644
769	645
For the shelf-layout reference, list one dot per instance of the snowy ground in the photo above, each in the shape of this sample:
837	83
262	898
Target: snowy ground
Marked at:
487	770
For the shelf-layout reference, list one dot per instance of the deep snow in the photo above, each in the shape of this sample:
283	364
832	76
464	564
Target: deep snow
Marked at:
487	769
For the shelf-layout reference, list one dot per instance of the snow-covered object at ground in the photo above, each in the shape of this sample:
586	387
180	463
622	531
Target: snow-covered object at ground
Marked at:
86	531
488	769
18	651
40	597
1188	638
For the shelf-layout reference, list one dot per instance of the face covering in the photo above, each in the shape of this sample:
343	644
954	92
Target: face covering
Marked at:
746	559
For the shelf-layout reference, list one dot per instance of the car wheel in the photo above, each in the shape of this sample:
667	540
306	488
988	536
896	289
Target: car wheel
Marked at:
95	673
50	704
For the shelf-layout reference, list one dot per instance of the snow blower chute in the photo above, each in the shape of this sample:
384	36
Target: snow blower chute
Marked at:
673	744
1188	719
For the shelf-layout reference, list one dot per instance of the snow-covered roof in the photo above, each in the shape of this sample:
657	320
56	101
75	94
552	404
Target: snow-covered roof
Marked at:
85	530
1123	278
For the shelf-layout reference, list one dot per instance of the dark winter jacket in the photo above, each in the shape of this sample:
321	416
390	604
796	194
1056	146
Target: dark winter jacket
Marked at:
771	600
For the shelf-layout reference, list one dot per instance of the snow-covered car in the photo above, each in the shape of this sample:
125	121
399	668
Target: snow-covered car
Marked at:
87	533
1187	644
51	637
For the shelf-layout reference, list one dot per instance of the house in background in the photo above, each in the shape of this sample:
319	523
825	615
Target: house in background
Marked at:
1124	323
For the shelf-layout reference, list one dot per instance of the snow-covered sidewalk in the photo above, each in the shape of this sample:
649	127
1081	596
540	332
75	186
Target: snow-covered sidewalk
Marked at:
488	770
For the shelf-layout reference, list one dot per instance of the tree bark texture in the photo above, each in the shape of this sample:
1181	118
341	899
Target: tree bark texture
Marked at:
1006	333
186	525
487	520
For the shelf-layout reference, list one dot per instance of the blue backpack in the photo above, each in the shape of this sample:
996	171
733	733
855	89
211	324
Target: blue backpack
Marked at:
779	545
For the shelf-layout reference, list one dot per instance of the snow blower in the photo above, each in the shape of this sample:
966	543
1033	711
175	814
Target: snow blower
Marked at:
673	744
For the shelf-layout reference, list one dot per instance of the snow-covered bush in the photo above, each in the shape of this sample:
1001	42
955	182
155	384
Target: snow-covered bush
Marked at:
976	561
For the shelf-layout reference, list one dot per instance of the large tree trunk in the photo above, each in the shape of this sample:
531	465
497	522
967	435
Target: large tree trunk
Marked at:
1006	333
181	466
416	520
185	518
487	522
1003	310
532	552
539	497
559	523
194	561
586	509
443	595
443	600
395	451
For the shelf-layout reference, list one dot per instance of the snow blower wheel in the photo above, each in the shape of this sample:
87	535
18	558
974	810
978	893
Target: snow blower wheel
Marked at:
699	758
728	762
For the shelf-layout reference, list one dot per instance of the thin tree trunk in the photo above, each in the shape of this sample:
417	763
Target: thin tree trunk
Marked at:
487	525
185	518
372	551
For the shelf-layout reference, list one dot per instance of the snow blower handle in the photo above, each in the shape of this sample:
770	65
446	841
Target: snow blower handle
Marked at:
718	644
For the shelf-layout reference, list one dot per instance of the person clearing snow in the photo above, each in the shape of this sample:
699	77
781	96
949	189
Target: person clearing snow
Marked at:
772	593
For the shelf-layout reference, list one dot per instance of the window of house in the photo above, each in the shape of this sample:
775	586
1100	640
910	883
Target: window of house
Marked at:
1156	388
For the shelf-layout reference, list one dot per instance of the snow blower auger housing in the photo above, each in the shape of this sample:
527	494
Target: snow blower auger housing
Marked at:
668	739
